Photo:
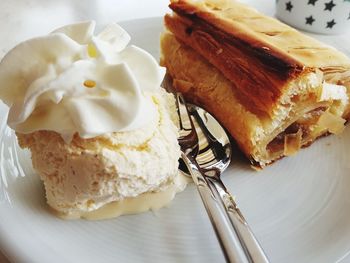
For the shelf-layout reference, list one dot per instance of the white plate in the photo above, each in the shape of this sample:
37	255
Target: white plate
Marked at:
299	208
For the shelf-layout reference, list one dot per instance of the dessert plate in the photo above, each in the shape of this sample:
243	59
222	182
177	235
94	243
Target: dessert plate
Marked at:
299	207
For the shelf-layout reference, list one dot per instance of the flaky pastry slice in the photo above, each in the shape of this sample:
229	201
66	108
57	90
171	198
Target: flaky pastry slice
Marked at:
273	88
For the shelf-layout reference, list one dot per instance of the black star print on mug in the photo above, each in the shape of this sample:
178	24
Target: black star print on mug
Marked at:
329	6
309	20
312	2
331	24
289	6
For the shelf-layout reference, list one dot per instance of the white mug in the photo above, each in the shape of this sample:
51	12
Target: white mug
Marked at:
319	16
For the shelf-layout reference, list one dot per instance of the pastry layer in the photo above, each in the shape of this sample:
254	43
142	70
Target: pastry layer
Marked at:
263	139
257	53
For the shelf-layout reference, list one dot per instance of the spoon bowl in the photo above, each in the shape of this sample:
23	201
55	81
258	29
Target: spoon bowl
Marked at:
206	152
213	149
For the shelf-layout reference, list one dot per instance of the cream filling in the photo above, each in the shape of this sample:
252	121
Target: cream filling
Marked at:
149	201
327	117
299	115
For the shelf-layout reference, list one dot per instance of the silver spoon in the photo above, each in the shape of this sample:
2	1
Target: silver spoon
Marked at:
206	151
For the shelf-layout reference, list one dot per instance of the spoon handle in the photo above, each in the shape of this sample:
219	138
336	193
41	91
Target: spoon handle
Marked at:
246	237
226	234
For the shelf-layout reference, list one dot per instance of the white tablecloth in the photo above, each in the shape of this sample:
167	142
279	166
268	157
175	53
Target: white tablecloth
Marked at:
24	19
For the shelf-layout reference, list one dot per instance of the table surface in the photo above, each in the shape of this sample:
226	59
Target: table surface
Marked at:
22	19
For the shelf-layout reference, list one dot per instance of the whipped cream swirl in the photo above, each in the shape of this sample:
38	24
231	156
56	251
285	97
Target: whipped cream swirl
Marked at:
71	81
